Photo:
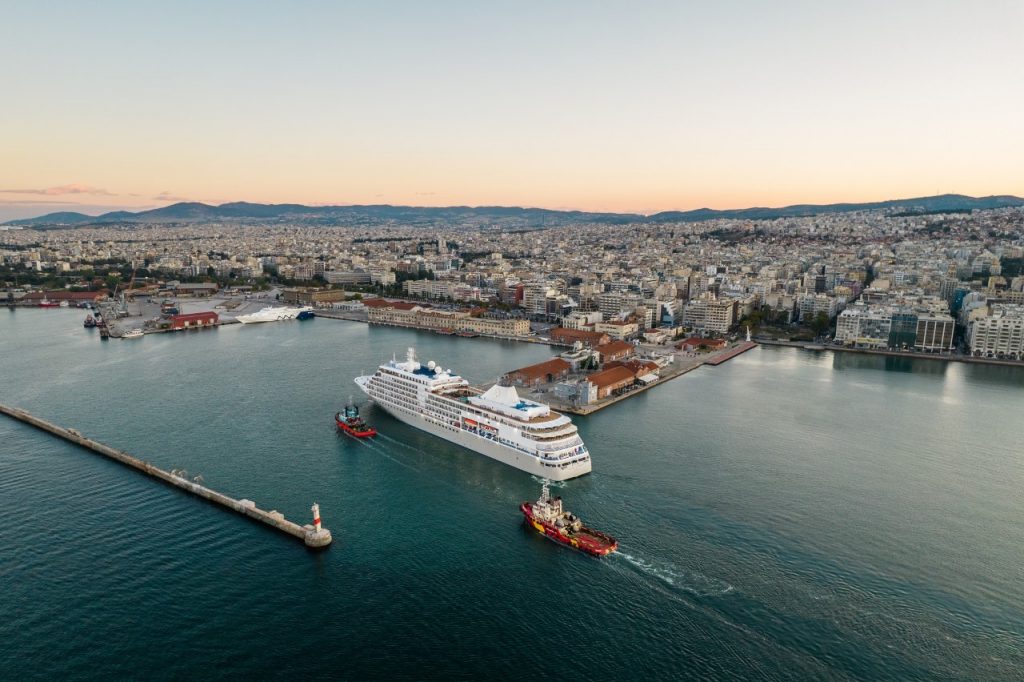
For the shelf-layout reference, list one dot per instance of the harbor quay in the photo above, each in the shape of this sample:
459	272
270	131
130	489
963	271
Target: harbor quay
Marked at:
570	390
917	355
313	535
562	381
633	380
631	368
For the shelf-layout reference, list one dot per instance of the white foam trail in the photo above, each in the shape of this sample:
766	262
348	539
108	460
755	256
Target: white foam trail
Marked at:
398	443
692	582
551	484
386	455
351	437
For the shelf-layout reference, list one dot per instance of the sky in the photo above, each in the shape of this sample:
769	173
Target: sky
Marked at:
605	106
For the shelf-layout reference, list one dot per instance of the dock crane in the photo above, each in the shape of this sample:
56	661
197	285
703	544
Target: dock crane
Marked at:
124	292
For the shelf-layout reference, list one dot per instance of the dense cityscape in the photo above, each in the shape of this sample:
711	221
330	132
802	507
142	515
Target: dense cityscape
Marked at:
945	283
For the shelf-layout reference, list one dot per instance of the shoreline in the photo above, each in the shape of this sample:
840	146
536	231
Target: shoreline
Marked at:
678	368
710	360
914	355
587	410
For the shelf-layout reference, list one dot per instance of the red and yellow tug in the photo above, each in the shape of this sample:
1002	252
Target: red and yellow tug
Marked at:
548	518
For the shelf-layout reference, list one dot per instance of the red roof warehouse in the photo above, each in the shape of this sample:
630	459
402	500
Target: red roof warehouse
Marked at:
194	320
64	295
555	369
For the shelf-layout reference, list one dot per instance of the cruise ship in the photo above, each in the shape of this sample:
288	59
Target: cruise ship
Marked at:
498	423
272	314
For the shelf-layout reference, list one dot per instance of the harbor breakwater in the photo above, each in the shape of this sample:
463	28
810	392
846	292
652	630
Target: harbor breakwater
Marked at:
314	535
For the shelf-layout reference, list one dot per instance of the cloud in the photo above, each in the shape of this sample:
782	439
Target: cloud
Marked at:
74	188
36	202
167	196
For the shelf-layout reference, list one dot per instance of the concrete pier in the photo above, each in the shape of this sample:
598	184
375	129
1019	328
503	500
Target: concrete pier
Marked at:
312	536
730	353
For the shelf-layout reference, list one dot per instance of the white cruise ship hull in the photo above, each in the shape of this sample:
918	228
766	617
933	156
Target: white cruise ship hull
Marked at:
496	451
271	315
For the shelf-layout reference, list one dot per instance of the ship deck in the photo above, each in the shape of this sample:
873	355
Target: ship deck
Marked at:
462	394
550	416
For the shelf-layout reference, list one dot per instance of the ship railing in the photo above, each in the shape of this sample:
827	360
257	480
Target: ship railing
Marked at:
538	452
554	448
575	452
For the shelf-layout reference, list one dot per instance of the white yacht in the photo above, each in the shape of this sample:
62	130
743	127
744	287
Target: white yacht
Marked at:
275	314
498	423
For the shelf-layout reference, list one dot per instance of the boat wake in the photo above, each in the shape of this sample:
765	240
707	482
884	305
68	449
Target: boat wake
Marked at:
397	442
551	484
349	437
688	581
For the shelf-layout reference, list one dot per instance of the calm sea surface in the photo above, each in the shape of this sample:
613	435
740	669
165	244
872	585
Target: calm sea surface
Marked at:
788	515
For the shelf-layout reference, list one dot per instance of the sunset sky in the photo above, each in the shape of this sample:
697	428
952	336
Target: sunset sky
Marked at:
628	106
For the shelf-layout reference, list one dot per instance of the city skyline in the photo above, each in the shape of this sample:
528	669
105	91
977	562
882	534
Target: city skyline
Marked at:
641	110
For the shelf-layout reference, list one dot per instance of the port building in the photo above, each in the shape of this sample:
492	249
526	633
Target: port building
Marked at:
571	336
610	380
194	320
546	372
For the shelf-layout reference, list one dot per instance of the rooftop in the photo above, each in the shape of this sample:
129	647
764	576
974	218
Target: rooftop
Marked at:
609	377
541	369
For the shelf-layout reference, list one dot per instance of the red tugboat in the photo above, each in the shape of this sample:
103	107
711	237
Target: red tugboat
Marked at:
548	518
351	423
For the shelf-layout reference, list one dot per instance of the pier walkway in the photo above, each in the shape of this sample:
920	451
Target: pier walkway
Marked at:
730	353
313	535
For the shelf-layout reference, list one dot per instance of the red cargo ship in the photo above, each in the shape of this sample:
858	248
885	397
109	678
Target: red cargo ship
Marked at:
351	423
548	518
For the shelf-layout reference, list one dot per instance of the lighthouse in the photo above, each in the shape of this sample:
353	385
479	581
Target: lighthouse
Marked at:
315	535
316	516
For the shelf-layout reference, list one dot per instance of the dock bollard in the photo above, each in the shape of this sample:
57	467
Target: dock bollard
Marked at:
317	536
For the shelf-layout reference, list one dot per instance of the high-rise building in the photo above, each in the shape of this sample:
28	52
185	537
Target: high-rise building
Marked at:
1000	334
710	314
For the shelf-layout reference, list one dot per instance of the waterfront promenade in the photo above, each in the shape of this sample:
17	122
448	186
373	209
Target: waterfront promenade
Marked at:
917	355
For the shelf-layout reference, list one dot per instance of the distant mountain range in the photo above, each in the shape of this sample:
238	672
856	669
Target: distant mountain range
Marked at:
942	203
193	212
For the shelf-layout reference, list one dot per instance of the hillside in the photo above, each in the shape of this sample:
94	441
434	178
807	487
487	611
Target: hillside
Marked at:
384	214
